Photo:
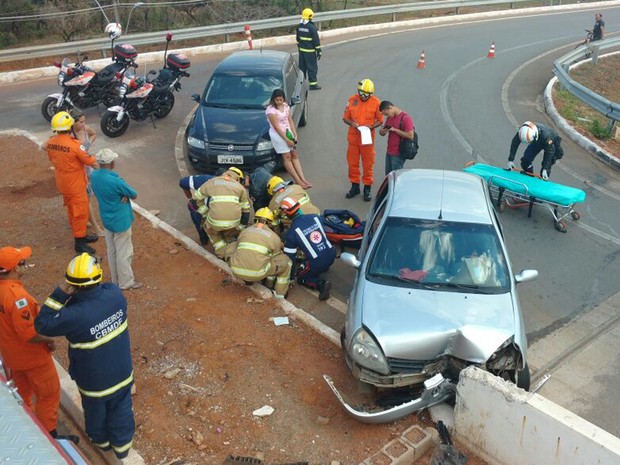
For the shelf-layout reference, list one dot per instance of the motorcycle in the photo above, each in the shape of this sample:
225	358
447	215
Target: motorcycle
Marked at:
83	88
146	97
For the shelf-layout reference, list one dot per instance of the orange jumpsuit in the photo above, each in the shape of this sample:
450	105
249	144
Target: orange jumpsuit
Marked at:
69	157
31	364
364	114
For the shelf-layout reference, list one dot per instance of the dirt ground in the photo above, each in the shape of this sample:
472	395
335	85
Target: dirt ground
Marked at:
206	351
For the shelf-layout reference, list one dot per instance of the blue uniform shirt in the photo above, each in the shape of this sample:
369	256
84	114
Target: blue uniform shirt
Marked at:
194	182
110	188
307	233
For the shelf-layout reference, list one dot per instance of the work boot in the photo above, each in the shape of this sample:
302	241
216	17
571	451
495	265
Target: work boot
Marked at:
91	238
315	87
367	196
69	437
324	287
81	246
355	190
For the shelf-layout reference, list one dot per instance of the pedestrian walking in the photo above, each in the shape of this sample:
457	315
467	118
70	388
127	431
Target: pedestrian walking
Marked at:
70	158
224	204
362	115
283	136
93	317
398	125
114	196
538	137
26	354
309	47
306	236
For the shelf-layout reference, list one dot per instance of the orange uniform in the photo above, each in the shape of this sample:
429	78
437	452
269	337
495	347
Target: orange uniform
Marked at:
364	114
31	364
69	158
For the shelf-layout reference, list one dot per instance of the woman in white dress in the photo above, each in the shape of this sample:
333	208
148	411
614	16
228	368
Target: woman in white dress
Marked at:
284	136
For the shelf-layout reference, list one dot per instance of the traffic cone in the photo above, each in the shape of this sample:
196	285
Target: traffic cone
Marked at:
421	61
491	53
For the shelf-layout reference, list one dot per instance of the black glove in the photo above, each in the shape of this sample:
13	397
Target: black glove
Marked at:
318	56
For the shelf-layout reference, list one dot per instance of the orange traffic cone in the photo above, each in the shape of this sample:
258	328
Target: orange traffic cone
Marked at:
421	61
491	53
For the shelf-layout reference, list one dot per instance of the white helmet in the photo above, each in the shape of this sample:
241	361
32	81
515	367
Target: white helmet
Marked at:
113	30
528	132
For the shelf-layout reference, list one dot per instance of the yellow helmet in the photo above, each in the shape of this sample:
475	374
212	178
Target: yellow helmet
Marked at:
264	213
273	182
366	86
307	13
238	172
83	270
62	121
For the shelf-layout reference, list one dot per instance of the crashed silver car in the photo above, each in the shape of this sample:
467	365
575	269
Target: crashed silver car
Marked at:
434	292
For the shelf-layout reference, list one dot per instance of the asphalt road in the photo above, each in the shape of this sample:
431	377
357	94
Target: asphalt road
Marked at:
465	106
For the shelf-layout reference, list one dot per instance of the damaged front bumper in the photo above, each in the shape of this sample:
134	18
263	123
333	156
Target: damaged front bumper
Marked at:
436	390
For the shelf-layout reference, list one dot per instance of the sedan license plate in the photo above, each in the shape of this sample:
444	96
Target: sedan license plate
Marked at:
230	159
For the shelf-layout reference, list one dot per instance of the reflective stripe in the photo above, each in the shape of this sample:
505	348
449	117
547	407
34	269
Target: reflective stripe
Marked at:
107	392
313	83
199	195
282	280
303	239
191	182
245	205
318	222
306	50
224	198
124	448
101	445
251	273
255	247
304	200
289	250
107	338
219	244
53	304
228	224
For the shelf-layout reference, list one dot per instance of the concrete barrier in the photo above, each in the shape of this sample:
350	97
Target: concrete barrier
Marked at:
509	426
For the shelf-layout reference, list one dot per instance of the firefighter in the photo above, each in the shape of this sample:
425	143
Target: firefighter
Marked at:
307	235
69	158
362	110
279	190
309	46
257	255
224	204
93	318
538	137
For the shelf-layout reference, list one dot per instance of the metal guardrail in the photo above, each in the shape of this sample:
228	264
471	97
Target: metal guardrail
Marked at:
561	66
237	28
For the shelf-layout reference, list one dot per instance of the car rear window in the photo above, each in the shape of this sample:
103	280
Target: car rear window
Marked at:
440	253
241	91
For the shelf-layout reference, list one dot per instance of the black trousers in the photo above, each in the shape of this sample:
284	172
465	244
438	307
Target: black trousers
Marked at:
309	66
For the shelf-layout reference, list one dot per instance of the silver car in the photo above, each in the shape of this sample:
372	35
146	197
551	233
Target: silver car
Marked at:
434	292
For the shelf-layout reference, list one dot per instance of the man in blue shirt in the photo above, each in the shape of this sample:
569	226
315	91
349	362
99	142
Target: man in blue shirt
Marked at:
189	184
113	195
307	236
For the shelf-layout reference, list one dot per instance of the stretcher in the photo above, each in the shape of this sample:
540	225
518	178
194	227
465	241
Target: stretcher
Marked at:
515	189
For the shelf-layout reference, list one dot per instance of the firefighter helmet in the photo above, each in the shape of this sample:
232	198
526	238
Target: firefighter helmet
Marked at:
290	206
113	30
274	182
528	132
83	270
366	86
238	172
62	121
307	14
264	213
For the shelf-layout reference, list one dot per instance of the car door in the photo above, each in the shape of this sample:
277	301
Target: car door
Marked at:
293	83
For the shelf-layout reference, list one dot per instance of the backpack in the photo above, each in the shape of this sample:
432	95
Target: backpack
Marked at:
408	148
343	228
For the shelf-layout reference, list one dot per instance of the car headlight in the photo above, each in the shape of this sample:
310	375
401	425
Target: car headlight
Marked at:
264	145
197	143
366	352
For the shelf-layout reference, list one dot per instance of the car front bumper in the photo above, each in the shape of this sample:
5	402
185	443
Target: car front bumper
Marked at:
208	162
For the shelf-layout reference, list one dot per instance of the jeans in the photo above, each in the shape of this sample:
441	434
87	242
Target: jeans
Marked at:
393	163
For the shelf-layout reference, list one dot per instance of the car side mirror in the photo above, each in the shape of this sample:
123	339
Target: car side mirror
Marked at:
195	98
295	101
526	276
350	259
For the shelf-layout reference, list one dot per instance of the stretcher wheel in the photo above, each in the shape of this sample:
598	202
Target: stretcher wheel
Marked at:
575	215
560	226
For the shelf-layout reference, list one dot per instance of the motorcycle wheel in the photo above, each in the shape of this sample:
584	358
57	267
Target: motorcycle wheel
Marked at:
111	127
49	108
164	106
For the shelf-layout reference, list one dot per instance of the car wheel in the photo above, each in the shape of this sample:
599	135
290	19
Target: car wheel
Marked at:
523	378
303	119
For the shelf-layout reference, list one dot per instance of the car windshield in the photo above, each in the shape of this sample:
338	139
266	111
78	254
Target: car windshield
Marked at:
233	91
441	255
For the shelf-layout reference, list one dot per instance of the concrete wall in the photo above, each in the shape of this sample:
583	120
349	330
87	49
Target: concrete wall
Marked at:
509	426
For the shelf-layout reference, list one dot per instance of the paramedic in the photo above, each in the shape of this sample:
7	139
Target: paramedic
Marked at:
279	190
539	137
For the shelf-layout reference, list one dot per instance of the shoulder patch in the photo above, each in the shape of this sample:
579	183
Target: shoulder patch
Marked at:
26	315
550	142
21	303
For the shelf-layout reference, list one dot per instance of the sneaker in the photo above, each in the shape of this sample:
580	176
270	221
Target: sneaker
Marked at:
324	287
135	285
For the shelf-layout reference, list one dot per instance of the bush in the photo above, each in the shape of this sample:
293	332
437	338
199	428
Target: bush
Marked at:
599	131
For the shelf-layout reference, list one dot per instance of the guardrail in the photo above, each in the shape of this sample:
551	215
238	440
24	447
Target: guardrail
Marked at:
237	28
562	65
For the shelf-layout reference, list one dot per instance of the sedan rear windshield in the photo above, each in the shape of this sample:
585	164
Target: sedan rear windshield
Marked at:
441	255
234	91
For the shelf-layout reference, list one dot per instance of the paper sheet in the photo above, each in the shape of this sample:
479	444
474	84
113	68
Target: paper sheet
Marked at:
365	133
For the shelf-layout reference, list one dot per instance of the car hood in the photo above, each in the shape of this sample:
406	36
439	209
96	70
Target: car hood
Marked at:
424	324
230	125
